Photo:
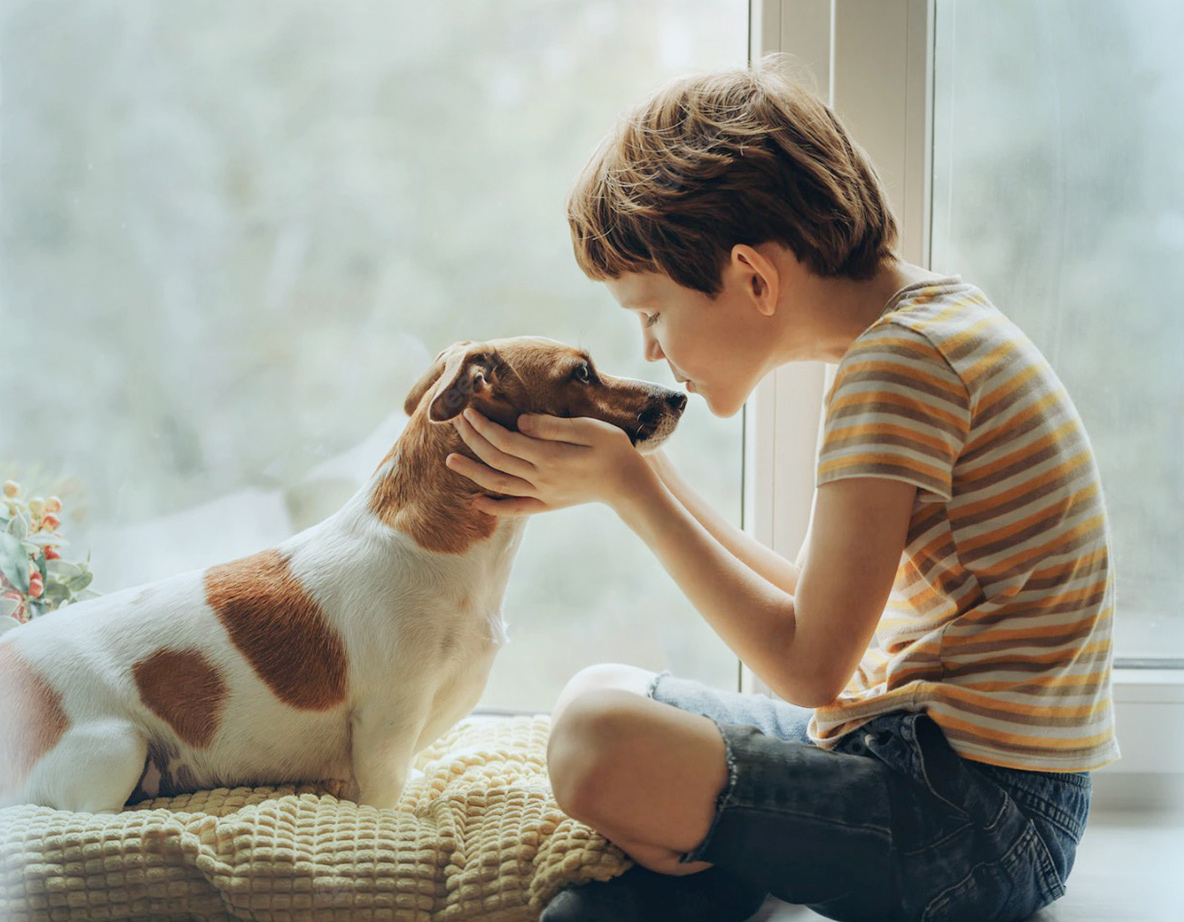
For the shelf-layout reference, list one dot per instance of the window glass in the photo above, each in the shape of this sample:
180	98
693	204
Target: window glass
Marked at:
233	234
1059	189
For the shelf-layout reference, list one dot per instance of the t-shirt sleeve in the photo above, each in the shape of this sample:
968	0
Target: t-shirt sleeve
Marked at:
897	410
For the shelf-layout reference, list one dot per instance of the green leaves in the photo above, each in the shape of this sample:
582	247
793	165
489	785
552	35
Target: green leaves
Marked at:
14	561
34	579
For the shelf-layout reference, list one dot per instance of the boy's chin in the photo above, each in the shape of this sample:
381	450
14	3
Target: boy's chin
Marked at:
724	409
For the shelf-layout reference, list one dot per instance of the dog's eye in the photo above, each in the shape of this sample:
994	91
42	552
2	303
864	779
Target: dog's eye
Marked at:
583	373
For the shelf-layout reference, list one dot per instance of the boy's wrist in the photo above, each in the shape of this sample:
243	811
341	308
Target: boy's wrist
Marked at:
638	488
659	462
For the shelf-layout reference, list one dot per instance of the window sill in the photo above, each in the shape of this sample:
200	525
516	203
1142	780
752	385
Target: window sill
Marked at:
1149	715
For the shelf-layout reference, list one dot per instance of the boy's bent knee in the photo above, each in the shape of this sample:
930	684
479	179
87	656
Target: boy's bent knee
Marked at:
583	752
603	676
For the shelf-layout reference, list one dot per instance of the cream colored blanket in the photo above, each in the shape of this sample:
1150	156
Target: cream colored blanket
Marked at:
478	837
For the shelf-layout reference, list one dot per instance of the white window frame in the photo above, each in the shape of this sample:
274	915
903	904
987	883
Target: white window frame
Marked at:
872	60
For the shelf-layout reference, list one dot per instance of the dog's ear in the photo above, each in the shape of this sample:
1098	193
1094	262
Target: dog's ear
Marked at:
430	377
466	375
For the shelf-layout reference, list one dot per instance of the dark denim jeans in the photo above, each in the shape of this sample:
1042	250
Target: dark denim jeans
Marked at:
892	825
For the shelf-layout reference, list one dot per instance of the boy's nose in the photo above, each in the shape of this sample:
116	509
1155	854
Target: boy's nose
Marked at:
653	351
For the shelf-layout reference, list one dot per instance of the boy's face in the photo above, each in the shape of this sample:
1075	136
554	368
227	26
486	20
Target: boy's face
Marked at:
720	347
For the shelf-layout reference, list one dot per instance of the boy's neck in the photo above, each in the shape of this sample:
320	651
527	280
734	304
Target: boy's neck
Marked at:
832	312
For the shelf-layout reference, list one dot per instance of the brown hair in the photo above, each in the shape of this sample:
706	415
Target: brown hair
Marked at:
711	161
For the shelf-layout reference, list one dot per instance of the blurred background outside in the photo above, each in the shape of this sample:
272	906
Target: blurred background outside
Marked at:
232	235
1058	188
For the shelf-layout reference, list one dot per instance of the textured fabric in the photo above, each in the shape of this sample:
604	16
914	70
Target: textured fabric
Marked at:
999	624
891	825
477	837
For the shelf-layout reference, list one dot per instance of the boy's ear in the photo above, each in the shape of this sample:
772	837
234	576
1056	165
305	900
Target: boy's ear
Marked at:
760	275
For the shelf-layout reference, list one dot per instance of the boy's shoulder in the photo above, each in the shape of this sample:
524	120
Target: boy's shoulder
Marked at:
939	310
957	326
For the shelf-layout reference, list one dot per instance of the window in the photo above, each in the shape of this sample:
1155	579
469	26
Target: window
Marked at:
1058	188
232	236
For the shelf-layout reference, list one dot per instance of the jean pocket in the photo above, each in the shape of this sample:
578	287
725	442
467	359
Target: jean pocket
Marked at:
1008	889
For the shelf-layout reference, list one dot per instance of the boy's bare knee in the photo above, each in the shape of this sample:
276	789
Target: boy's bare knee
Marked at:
584	752
603	676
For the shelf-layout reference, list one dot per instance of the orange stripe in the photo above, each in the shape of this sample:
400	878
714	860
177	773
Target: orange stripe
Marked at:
1043	659
961	693
904	371
907	402
1078	500
984	472
1051	682
931	475
870	430
1002	391
1022	490
1039	552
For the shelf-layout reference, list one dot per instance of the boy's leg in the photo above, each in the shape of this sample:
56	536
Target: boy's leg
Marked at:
809	825
647	775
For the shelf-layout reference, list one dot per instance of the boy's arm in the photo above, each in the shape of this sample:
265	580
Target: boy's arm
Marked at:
768	563
804	645
807	645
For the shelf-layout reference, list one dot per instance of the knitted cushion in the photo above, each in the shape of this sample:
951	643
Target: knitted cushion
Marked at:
477	837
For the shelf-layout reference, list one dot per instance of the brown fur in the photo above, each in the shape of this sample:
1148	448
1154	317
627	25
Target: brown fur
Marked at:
32	718
417	500
280	629
185	690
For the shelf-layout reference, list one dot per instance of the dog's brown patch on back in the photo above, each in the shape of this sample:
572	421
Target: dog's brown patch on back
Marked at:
280	629
185	690
32	718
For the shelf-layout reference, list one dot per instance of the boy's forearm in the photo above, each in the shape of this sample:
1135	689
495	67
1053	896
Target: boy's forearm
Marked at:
753	616
768	563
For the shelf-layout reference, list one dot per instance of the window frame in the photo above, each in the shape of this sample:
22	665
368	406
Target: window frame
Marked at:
873	61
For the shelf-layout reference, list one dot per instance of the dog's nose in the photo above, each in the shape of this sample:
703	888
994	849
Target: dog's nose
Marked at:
677	401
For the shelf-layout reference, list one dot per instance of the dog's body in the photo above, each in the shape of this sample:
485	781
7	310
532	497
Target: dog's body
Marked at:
337	655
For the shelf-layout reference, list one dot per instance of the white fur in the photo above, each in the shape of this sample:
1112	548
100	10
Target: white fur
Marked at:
392	603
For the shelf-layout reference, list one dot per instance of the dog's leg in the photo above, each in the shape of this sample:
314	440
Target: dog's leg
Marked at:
383	745
93	769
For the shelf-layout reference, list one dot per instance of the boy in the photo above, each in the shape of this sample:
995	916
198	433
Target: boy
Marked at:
948	618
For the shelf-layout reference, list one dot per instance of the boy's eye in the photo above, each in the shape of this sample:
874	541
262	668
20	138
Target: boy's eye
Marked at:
651	319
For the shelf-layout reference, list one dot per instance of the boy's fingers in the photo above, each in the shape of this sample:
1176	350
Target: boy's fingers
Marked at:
488	452
497	435
487	478
555	428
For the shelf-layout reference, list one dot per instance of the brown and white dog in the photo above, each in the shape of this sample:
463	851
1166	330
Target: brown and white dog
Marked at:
336	655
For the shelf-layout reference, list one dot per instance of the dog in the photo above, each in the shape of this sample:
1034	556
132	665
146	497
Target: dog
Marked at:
338	654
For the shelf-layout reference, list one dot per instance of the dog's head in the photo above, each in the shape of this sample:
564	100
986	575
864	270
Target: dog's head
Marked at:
504	378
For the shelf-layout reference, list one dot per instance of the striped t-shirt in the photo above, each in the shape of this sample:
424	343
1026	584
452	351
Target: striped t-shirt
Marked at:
1000	617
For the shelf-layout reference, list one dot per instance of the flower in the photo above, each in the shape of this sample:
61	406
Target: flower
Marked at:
34	577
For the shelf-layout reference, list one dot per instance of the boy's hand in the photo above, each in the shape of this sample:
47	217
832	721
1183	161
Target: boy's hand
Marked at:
550	463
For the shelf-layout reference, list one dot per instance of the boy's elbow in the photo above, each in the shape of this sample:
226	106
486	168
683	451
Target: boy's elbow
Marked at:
809	690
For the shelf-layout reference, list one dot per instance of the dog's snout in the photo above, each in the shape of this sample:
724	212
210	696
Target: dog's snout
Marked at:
677	401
